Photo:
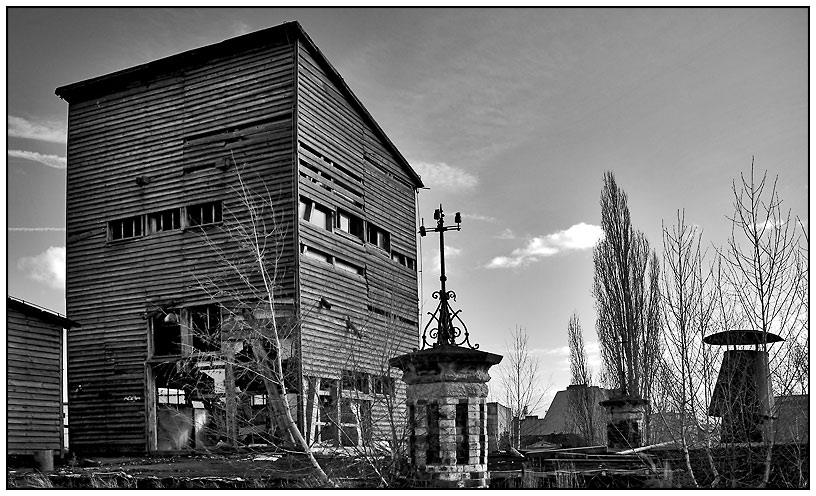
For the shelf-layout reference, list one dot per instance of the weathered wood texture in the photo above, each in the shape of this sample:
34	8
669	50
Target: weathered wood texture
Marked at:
189	133
177	133
33	384
374	314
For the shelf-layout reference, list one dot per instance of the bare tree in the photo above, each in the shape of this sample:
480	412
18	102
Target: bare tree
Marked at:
579	368
246	286
520	380
627	298
584	414
687	312
763	272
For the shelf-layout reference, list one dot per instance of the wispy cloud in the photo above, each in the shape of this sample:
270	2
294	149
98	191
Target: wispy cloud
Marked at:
36	229
506	234
54	161
52	131
480	218
47	268
444	176
578	237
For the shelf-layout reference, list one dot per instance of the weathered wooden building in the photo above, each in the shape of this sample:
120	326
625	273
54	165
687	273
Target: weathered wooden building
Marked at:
165	162
34	380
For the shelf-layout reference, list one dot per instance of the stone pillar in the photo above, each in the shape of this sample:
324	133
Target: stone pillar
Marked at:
447	410
626	417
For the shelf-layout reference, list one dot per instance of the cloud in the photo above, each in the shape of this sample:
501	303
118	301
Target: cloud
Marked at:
450	252
52	131
444	176
506	234
54	161
578	237
482	218
47	267
36	229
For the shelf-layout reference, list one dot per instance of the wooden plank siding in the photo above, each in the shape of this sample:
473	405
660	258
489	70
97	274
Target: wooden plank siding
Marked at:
190	133
381	304
268	114
33	384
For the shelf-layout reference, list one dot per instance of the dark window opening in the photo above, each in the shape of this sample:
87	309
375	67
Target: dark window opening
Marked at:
383	385
166	335
432	455
204	214
350	223
379	237
206	326
462	433
168	220
130	227
355	381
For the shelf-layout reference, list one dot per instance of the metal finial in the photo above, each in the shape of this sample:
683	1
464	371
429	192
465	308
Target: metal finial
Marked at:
447	331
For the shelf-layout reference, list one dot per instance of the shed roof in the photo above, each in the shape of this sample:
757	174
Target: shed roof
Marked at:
291	31
41	313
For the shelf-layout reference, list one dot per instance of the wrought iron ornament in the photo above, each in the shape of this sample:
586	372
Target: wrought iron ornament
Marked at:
447	331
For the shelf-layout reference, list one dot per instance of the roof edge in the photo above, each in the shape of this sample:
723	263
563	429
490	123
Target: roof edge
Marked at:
44	313
89	88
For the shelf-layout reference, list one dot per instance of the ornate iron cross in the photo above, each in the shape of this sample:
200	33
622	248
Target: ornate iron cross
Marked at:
447	331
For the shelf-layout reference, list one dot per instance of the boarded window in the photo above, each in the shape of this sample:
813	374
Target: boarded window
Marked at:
204	214
166	335
167	220
131	227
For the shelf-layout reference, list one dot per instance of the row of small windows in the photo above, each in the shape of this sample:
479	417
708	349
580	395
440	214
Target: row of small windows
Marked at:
346	222
166	220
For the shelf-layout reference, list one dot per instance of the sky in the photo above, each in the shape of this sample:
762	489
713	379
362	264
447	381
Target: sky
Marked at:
510	116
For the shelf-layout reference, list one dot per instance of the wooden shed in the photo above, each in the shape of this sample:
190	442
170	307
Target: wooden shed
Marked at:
154	157
34	380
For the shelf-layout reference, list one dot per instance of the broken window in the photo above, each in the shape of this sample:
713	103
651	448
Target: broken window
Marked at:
167	220
166	335
355	421
348	267
316	214
131	227
403	260
349	223
379	237
316	254
205	324
204	214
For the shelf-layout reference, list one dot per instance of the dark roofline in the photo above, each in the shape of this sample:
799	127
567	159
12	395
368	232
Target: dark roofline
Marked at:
42	313
292	30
